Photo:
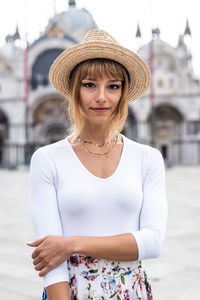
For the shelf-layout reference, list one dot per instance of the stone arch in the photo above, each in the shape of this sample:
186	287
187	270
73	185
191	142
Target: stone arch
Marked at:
51	132
130	126
43	45
177	108
41	66
165	128
40	97
49	119
165	112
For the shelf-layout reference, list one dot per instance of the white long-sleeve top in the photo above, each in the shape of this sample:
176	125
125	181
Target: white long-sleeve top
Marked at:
66	199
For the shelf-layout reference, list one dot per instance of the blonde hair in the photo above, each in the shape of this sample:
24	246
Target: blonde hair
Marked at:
96	68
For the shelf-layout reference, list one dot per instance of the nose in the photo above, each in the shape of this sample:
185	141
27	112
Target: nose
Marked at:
100	96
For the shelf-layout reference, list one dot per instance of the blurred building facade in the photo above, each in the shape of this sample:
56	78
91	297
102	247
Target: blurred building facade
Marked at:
36	118
169	115
171	122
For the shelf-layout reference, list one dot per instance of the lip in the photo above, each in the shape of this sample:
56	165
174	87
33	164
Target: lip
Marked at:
99	109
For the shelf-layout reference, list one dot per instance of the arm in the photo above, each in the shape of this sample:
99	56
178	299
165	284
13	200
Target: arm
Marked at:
58	291
153	217
45	215
120	247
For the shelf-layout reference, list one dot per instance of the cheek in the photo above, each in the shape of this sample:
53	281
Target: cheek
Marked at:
83	101
116	99
84	106
85	98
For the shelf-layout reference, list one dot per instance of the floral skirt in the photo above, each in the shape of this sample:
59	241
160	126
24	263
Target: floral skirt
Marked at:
100	279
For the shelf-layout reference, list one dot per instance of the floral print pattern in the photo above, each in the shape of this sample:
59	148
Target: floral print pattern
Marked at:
99	279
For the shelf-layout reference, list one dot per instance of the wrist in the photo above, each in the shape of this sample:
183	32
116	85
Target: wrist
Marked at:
77	244
72	245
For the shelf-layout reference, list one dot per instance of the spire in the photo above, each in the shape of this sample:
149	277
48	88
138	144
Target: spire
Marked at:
187	29
138	32
72	3
14	37
17	35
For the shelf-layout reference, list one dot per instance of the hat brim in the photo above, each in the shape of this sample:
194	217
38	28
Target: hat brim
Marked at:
63	65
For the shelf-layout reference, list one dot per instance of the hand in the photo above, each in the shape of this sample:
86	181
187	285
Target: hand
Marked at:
50	252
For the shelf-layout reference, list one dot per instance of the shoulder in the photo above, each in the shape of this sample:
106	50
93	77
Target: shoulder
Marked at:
51	150
44	160
49	156
146	157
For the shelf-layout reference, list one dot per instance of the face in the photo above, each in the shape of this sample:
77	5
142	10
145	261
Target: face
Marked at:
99	98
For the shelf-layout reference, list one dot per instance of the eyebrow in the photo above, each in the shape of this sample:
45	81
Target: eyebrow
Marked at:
112	80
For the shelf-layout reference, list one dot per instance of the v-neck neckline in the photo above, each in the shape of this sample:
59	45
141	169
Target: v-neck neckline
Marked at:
84	168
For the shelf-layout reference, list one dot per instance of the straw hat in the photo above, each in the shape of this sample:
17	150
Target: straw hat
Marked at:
100	44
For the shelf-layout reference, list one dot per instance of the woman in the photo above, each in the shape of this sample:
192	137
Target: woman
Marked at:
98	199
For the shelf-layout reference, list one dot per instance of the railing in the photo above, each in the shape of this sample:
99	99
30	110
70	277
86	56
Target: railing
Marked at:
14	155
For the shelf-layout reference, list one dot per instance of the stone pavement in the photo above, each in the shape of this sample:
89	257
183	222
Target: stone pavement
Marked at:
175	275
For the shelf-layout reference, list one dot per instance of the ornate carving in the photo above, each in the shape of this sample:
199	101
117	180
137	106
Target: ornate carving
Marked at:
55	32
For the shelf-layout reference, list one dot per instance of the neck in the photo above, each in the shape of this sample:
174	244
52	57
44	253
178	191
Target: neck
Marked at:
94	133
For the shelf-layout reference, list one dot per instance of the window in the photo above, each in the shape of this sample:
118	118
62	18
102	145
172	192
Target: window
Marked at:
193	127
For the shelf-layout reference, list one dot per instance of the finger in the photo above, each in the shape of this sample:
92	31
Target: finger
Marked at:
40	266
35	243
36	261
35	253
44	271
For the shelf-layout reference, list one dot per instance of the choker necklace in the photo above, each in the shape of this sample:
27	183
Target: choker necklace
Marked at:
83	142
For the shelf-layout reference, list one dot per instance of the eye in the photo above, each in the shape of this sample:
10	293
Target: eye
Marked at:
114	86
88	84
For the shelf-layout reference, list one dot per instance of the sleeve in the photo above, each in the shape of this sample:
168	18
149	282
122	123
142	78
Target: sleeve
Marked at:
44	208
153	216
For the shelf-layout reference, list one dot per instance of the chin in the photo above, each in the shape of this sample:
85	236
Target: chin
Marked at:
99	121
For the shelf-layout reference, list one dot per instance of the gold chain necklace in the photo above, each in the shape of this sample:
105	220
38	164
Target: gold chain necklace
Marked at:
83	142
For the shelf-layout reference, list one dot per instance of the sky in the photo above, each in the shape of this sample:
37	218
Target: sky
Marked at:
118	17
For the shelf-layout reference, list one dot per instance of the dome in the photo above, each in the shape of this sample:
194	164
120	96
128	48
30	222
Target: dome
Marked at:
8	51
159	47
164	55
73	23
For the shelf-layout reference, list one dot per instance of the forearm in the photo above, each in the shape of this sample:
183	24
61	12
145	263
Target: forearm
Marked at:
58	291
122	247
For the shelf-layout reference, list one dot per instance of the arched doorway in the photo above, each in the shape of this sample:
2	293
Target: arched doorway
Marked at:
3	136
130	126
48	123
54	132
49	120
41	66
165	130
